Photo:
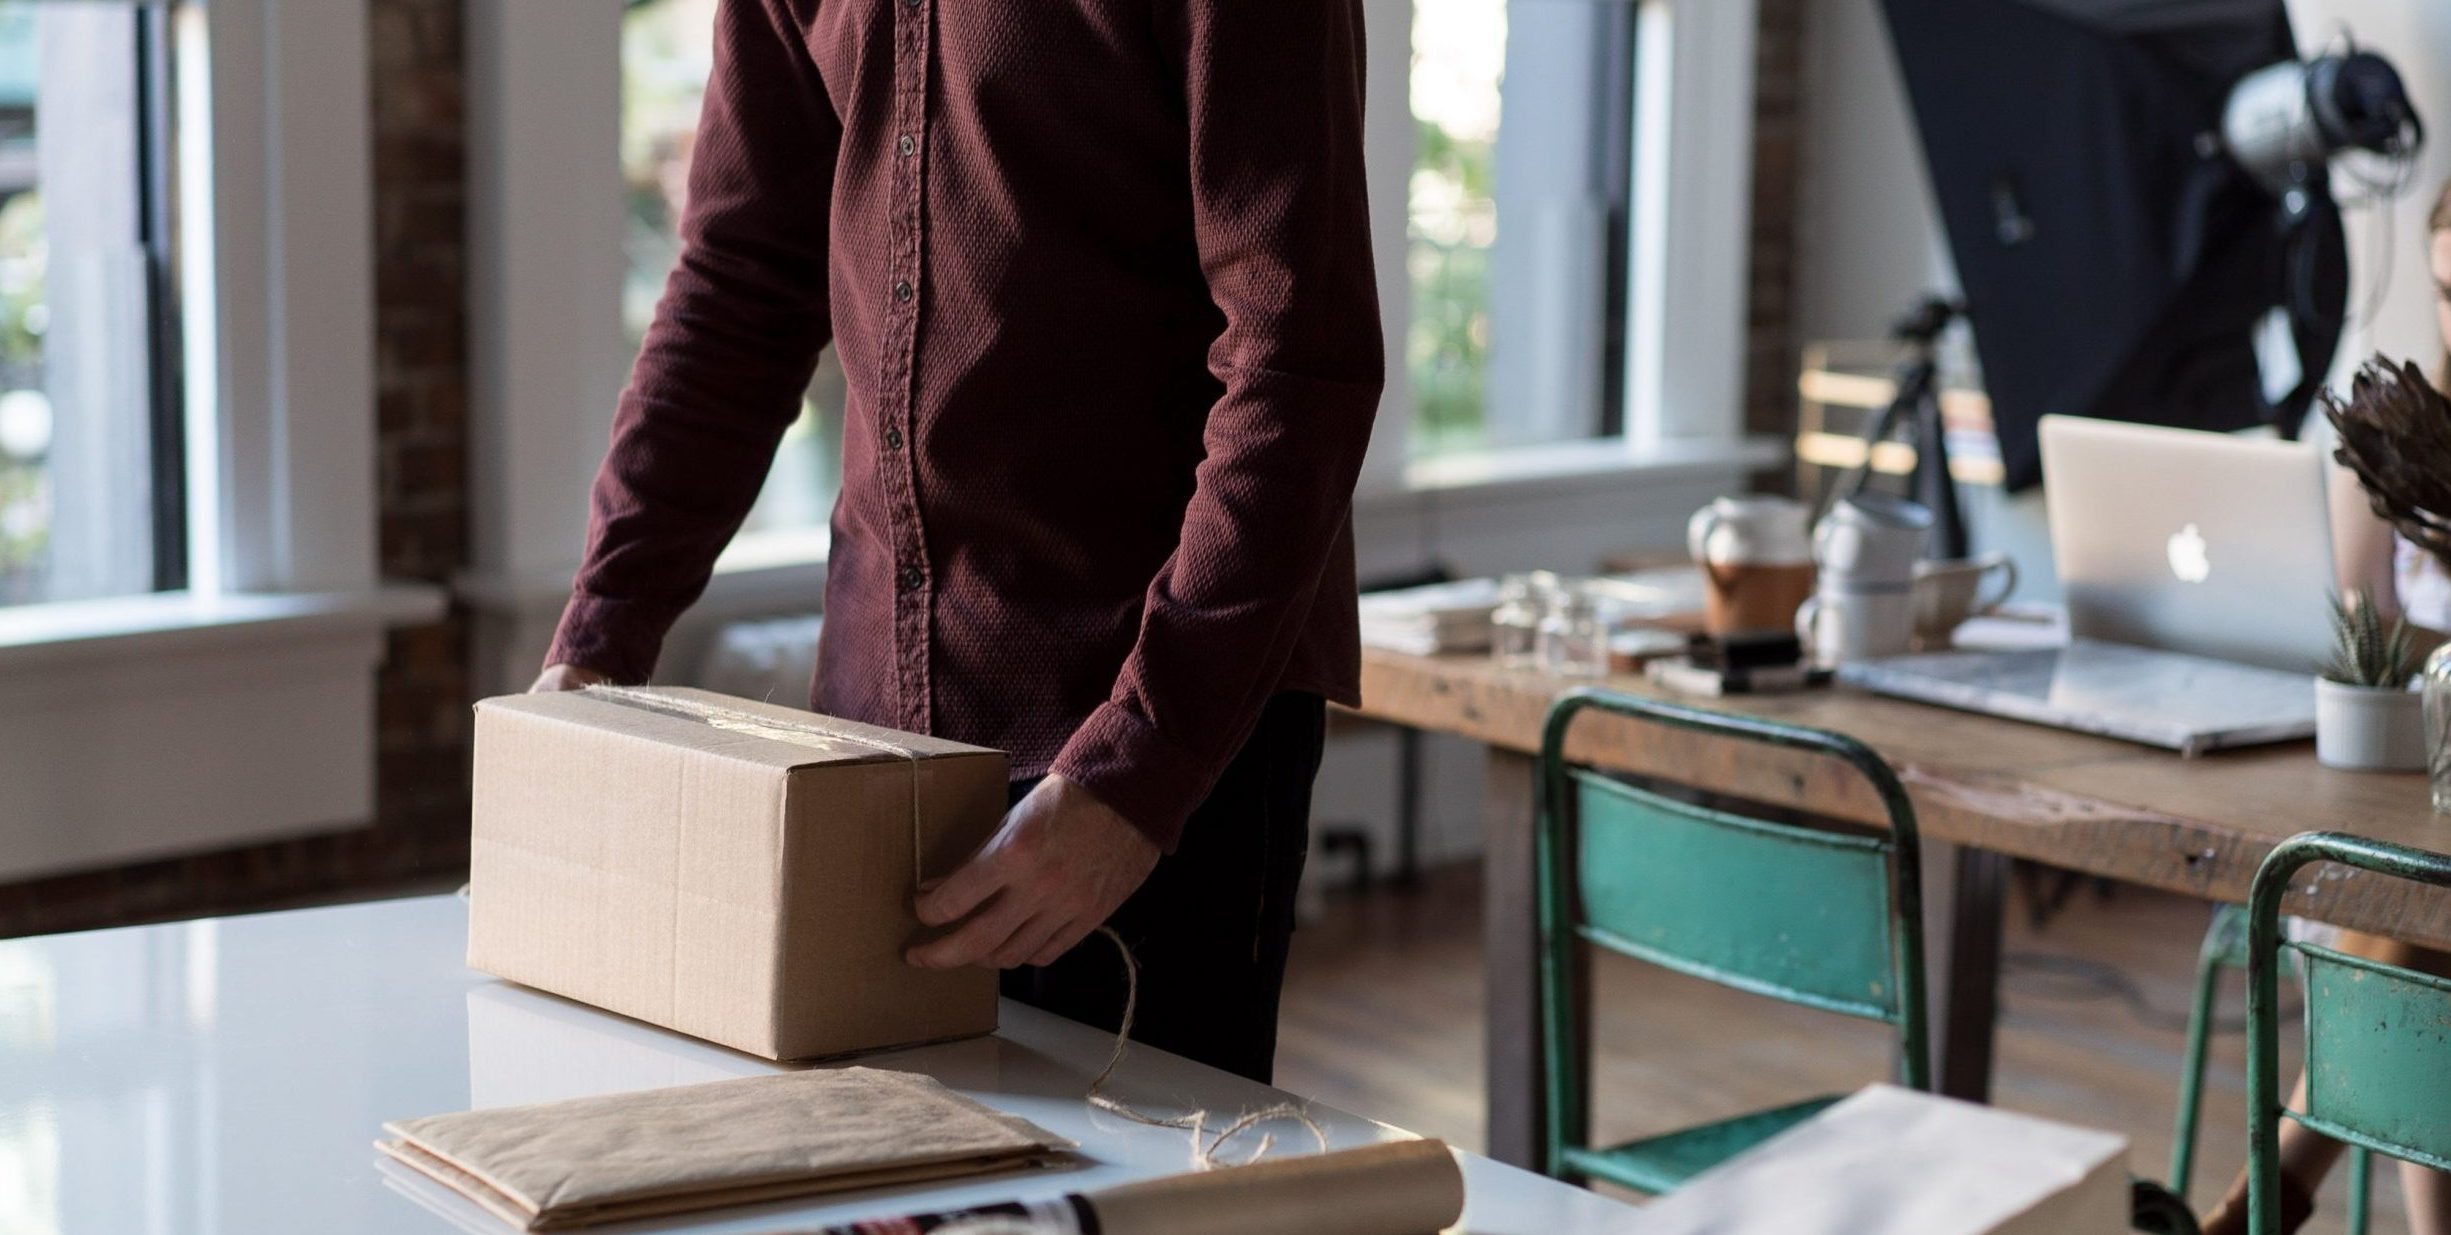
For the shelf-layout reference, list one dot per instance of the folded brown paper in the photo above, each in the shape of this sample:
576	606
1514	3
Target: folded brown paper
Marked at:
730	869
632	1155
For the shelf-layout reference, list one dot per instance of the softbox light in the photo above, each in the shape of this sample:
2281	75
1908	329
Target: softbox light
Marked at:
2116	261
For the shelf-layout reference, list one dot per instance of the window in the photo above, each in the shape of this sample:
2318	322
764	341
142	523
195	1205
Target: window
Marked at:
90	464
666	53
1516	244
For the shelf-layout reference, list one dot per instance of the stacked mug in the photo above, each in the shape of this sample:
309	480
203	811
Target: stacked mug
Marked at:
1863	607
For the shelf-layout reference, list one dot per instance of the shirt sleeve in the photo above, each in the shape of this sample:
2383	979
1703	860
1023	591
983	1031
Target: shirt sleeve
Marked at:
1273	95
733	345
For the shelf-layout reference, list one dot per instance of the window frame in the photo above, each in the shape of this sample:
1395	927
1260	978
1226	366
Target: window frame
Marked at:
280	627
157	193
1679	362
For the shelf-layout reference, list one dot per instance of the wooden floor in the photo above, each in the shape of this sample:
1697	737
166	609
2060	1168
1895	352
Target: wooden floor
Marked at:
1382	1016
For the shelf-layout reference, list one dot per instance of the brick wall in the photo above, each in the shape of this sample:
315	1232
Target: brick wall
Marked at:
420	828
1771	354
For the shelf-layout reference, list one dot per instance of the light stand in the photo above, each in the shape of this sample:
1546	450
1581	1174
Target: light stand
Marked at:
1917	407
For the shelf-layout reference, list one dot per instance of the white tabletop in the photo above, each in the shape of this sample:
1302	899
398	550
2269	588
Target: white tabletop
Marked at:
229	1076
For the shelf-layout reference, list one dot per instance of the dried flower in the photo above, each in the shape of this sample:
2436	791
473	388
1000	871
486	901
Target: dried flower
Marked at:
2395	434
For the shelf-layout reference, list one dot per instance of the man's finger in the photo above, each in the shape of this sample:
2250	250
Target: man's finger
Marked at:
975	939
1026	942
1062	941
968	887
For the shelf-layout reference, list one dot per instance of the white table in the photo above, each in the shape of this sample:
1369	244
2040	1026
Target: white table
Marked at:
230	1075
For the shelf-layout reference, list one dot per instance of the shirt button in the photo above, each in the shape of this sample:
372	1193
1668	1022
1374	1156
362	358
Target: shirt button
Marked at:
911	578
893	439
907	144
910	4
902	292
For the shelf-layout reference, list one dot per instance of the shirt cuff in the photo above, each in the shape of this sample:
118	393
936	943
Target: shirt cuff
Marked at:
1139	774
617	638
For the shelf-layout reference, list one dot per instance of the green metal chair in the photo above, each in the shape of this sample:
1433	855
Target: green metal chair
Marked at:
2225	947
1822	919
2378	1059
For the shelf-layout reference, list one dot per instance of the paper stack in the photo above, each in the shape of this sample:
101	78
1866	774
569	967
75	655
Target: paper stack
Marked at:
1428	620
1891	1161
617	1157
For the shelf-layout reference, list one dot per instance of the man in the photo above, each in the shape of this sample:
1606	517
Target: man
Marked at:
1098	273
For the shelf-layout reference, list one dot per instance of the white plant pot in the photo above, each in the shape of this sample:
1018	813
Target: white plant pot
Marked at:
2369	729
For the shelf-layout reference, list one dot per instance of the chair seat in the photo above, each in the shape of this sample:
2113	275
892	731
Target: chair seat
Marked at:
1658	1164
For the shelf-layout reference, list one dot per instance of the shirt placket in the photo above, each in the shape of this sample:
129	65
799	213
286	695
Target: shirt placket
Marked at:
898	432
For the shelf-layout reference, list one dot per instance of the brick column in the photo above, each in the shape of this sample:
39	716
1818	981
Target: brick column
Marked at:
1771	355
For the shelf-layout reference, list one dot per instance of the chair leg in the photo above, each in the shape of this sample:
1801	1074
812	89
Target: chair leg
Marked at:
2209	958
2361	1187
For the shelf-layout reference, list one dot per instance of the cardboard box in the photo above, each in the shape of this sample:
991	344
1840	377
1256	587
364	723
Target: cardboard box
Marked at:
733	870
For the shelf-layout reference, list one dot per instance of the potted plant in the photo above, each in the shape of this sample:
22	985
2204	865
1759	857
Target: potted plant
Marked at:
2366	717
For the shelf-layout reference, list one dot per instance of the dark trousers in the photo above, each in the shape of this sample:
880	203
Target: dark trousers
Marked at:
1212	924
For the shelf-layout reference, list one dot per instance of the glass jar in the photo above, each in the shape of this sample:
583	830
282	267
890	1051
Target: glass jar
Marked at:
1514	626
2437	679
1573	638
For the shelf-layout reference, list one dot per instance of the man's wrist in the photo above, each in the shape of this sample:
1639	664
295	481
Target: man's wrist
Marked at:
1127	764
616	638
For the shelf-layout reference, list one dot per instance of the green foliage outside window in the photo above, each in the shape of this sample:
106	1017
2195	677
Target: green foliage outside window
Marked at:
25	499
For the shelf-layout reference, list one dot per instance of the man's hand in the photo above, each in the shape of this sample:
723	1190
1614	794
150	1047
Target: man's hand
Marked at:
566	677
1061	863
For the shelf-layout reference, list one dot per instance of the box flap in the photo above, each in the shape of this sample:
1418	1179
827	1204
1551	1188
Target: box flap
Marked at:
761	733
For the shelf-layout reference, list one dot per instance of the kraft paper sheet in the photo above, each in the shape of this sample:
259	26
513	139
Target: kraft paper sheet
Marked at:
621	1156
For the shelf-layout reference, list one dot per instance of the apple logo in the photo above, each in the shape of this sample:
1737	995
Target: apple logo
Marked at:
2190	559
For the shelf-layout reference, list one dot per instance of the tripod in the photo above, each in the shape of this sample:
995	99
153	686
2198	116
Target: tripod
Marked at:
1917	408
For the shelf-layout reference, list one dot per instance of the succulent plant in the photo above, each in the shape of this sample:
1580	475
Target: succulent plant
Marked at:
2366	650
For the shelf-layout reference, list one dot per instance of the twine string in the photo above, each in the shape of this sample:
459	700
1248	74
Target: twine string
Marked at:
1205	1149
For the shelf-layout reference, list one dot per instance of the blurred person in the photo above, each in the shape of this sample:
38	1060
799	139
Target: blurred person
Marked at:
2407	583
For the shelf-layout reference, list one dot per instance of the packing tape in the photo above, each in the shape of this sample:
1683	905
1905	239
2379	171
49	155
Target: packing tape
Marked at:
797	733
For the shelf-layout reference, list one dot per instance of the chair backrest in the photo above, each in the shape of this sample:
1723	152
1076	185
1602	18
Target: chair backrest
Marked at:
1826	919
2378	1059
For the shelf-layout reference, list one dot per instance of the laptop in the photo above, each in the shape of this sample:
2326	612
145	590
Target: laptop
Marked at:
2197	569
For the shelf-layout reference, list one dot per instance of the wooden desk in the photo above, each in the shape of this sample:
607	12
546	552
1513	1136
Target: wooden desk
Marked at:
1989	789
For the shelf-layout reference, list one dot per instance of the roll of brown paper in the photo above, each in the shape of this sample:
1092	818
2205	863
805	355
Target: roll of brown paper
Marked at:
1401	1188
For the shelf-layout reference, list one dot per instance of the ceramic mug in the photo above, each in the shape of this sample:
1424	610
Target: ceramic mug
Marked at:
1838	627
1870	542
1756	558
1947	593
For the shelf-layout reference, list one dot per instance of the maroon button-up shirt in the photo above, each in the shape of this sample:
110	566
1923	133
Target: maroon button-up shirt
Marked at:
1099	275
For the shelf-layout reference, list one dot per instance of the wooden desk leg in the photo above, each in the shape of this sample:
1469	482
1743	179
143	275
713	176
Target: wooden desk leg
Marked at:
1966	978
1408	808
1510	935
